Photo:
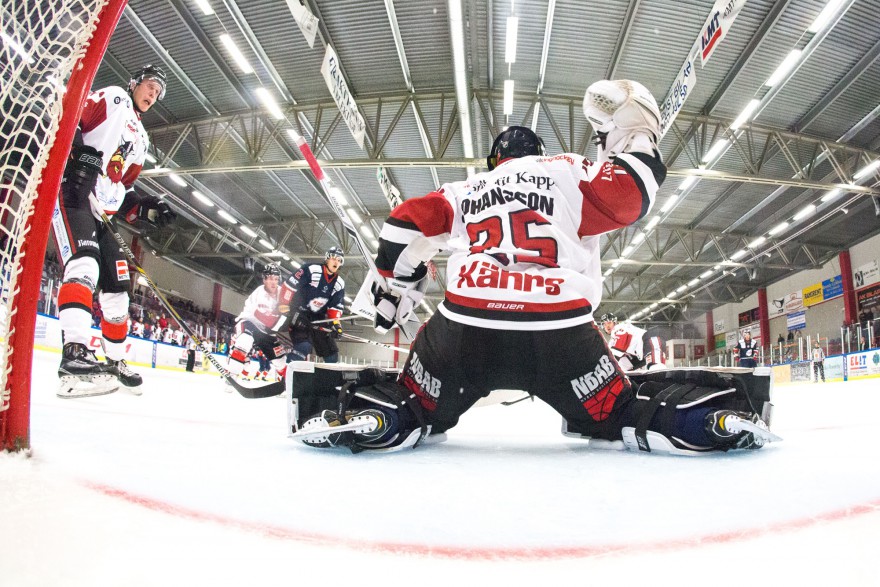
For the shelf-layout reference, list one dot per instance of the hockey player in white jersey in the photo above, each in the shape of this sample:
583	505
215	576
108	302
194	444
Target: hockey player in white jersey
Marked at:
107	155
258	324
523	277
632	346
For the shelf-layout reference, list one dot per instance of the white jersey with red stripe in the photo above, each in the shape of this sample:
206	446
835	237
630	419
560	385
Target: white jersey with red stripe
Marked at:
524	237
633	348
261	310
110	124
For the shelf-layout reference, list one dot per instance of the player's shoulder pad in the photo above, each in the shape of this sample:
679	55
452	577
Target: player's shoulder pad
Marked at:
113	92
314	268
340	284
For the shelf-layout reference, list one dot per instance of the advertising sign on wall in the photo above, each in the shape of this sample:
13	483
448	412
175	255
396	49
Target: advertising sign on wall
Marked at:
869	297
813	295
721	341
867	274
793	302
832	288
719	327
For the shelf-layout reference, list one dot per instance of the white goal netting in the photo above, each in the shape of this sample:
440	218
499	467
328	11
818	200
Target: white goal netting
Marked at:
40	44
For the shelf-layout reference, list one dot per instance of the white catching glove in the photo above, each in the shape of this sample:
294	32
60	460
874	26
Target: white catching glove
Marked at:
626	114
396	304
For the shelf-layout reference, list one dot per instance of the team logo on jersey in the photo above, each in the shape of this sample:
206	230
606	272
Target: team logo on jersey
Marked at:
122	271
317	303
418	380
483	274
598	389
117	161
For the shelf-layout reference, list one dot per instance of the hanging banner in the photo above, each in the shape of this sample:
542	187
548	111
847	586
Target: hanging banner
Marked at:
832	288
717	25
344	101
866	274
392	194
812	295
797	320
682	87
307	22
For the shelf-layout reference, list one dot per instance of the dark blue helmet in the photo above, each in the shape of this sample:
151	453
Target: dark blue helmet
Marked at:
515	141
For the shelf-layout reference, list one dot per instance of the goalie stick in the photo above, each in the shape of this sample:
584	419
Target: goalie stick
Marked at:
328	188
270	390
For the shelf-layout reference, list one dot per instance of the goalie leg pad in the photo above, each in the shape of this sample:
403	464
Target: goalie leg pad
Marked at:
338	396
671	406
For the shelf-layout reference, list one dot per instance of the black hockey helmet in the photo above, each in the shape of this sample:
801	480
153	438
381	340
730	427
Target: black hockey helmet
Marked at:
513	142
271	269
608	317
148	72
336	253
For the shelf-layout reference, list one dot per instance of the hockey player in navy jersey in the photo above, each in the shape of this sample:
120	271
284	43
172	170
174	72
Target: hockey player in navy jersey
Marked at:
523	277
107	155
632	346
315	292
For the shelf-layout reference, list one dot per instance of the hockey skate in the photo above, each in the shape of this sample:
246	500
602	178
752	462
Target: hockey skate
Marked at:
82	374
329	429
130	380
738	430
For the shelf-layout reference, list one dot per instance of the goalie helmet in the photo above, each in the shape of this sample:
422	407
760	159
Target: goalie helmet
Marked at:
516	141
335	253
271	269
148	72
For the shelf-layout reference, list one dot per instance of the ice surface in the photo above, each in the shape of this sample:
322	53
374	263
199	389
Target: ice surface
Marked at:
188	485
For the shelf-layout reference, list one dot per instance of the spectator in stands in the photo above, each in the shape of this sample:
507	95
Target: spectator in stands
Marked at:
790	337
163	322
781	339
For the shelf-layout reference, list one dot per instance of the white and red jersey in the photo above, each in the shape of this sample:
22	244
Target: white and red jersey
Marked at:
111	125
524	237
633	348
261	309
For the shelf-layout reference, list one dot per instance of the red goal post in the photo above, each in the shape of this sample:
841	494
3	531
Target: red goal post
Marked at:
43	43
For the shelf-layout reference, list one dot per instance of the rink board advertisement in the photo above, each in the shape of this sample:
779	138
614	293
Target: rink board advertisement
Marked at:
47	334
801	371
782	373
864	365
834	370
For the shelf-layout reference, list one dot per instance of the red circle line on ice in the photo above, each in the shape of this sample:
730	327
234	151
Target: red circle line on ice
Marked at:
488	552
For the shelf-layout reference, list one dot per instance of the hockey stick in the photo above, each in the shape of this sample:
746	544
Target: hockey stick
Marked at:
335	202
270	390
326	320
354	338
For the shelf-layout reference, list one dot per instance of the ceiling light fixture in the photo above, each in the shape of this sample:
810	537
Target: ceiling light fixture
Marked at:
786	66
236	54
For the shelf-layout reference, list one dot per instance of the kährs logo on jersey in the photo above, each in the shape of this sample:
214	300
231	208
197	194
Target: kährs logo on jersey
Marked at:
481	274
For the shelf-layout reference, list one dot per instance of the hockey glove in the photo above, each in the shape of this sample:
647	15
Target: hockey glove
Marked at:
81	173
148	212
624	115
335	329
396	304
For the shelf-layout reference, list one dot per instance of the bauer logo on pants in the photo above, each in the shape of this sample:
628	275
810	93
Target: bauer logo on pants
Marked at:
598	389
122	271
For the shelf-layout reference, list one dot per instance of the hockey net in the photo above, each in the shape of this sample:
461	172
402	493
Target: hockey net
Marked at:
49	53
